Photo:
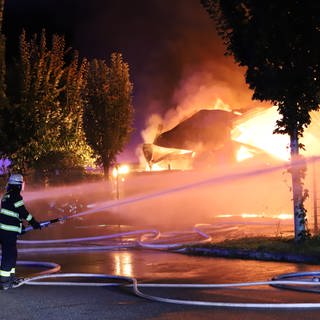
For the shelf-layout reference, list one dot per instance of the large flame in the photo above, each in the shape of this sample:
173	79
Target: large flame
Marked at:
256	129
253	131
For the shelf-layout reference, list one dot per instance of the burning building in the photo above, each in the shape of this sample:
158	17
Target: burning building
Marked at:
211	137
205	138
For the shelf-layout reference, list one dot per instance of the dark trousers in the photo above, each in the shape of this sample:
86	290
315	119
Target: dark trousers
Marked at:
8	242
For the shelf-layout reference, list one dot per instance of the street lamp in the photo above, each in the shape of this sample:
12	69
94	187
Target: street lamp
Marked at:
119	170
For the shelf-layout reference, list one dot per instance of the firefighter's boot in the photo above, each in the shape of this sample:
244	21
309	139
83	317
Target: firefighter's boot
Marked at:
6	282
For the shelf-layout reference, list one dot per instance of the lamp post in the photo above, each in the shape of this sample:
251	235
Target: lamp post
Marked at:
117	171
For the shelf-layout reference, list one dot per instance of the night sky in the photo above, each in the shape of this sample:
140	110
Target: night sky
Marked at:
170	45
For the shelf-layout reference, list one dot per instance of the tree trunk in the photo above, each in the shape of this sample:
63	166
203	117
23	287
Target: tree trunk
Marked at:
297	189
106	167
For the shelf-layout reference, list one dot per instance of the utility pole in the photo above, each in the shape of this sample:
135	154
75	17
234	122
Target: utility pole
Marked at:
117	182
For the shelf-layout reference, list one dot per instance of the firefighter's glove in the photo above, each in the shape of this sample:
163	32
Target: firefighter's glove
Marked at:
35	224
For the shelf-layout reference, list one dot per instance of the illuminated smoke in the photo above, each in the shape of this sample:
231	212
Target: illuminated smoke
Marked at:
253	130
214	86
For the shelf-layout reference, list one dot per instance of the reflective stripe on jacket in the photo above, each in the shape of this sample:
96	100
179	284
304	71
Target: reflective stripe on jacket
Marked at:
13	212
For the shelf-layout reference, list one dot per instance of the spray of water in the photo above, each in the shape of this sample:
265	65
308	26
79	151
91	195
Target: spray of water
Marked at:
185	198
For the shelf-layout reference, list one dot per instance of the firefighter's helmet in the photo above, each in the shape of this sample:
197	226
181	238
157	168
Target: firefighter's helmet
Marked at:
16	179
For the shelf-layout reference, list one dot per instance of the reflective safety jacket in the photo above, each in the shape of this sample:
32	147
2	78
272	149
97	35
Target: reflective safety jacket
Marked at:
13	212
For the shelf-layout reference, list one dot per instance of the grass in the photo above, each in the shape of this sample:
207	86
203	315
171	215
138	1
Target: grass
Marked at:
271	244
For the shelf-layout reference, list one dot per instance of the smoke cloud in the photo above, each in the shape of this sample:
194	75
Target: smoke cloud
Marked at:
177	62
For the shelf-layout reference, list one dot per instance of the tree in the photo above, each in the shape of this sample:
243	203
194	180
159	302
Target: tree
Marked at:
278	42
2	55
4	102
108	115
44	119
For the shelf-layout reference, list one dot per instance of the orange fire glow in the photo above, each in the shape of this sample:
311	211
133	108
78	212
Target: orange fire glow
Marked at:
120	170
244	153
285	216
256	129
253	130
280	216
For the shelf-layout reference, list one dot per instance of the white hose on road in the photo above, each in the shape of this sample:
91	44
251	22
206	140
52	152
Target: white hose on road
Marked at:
141	242
144	236
134	284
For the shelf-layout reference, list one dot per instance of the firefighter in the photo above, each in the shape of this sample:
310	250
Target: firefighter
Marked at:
12	213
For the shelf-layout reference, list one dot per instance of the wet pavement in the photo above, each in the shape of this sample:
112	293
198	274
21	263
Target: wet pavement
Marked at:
30	302
69	302
147	266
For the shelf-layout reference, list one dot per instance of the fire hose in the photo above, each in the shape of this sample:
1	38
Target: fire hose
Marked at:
134	284
282	281
45	224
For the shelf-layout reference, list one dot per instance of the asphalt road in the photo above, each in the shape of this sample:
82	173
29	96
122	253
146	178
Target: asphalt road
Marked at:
69	302
30	302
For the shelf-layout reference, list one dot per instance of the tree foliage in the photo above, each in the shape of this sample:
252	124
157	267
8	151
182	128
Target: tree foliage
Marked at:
2	56
46	117
4	103
109	112
278	42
